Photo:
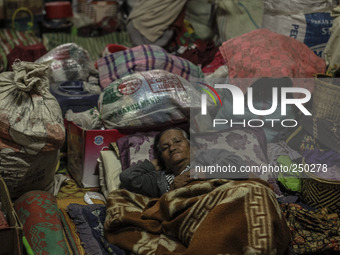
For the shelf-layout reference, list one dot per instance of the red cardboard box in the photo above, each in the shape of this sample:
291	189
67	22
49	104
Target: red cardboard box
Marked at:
83	150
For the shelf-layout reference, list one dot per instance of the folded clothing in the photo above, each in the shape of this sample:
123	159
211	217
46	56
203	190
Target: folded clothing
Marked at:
89	220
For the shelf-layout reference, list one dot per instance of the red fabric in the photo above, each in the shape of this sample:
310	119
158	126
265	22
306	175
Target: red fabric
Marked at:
28	53
262	53
202	54
112	48
215	64
3	221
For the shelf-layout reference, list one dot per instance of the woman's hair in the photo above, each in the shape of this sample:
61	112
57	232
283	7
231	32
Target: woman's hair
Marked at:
156	148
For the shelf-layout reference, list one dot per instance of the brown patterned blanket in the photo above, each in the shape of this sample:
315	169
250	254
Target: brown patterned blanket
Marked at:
204	217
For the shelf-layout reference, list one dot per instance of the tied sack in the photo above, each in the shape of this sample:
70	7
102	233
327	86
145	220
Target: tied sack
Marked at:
147	99
31	129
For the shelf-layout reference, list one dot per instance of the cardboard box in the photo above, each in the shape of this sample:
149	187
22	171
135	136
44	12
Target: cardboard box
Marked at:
83	150
11	238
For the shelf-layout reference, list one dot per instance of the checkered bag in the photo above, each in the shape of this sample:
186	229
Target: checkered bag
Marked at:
143	58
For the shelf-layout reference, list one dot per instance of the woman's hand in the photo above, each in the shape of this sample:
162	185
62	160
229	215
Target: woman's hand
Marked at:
155	164
181	180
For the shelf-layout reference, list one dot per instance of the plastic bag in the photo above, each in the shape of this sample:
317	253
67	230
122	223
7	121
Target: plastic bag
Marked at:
88	120
147	99
68	62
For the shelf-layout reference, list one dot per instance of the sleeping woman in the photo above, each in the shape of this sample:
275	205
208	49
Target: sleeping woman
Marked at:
161	209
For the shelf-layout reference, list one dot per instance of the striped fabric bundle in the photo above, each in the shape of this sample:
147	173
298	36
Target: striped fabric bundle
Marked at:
94	45
9	38
144	58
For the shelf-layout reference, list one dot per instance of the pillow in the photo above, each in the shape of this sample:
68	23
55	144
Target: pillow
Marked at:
109	170
136	148
247	143
262	100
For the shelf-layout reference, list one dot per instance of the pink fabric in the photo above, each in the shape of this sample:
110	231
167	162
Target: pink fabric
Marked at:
262	53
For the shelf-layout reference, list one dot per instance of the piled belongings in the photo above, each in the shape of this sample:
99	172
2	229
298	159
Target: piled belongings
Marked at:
317	139
74	80
147	88
320	188
263	59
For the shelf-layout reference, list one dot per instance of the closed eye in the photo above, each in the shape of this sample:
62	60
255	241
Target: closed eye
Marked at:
165	146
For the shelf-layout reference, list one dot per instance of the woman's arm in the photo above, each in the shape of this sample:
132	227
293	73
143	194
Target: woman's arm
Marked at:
143	178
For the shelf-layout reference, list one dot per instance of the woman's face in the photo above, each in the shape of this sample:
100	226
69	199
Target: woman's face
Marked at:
175	150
